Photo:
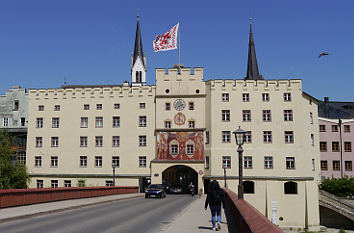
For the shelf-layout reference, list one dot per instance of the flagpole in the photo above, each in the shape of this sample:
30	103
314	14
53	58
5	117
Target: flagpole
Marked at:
179	49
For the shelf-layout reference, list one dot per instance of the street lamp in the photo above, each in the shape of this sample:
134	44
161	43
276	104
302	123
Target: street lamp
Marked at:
224	166
114	166
240	135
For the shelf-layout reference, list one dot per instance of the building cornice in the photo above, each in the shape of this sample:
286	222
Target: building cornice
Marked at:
279	178
181	96
73	175
180	130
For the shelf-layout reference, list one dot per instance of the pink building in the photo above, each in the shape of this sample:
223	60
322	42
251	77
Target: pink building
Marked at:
336	126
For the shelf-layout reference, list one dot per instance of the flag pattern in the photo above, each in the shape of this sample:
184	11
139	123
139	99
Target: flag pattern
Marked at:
167	41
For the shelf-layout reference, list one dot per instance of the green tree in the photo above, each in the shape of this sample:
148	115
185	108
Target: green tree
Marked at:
341	187
12	175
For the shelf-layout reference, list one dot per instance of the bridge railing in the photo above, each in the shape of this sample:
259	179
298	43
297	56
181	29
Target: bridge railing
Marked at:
18	197
247	218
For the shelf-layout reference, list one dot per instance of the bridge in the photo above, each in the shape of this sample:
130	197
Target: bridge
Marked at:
335	211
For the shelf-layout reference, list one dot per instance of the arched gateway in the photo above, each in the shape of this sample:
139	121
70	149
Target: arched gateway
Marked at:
180	176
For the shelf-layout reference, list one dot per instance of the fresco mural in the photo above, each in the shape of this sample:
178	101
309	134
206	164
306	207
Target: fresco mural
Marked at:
180	146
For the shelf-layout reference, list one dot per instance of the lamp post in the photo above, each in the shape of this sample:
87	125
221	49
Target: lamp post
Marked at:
340	147
114	166
225	185
239	135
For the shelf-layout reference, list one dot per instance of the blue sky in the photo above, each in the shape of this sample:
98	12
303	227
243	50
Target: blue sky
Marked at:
90	42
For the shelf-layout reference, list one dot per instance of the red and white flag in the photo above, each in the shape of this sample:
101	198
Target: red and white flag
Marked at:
167	41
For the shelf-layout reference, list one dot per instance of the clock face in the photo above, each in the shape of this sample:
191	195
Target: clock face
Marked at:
179	104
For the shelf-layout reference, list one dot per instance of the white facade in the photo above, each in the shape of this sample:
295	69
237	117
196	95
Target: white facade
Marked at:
195	118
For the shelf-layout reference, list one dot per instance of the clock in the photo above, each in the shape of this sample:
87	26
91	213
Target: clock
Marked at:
179	104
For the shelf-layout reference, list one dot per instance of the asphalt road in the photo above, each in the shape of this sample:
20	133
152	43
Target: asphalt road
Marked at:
133	215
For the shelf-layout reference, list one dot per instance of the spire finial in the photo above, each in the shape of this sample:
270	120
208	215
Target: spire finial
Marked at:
250	18
137	15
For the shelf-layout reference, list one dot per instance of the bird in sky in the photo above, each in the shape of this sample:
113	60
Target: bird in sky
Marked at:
323	54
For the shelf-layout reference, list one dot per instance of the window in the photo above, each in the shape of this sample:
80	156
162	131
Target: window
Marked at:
207	137
83	161
115	141
322	128
248	137
16	105
346	128
336	165
55	142
23	121
225	97
323	146
207	162
290	162
56	107
39	184
99	141
142	105
288	115
267	115
39	122
313	164
248	187
335	146
246	115
83	141
348	165
167	124
6	122
99	106
174	149
115	161
167	106
116	121
267	136
86	107
225	115
116	106
21	158
226	162
312	139
38	161
55	122
265	97
54	183
54	161
287	96
268	162
247	163
98	161
99	122
84	122
39	142
40	107
334	128
324	165
67	183
245	97
142	140
290	187
226	136
190	149
142	161
142	121
109	182
191	124
191	106
347	146
311	118
289	136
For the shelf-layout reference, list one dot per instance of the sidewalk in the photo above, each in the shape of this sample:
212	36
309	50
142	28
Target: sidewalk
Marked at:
195	219
36	209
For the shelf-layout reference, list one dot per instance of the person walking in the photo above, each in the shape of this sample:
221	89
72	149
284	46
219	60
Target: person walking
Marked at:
215	197
191	188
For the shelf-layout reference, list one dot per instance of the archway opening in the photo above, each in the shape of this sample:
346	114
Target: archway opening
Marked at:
181	176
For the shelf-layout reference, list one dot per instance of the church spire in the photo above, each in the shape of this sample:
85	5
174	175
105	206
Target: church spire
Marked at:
138	65
252	67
